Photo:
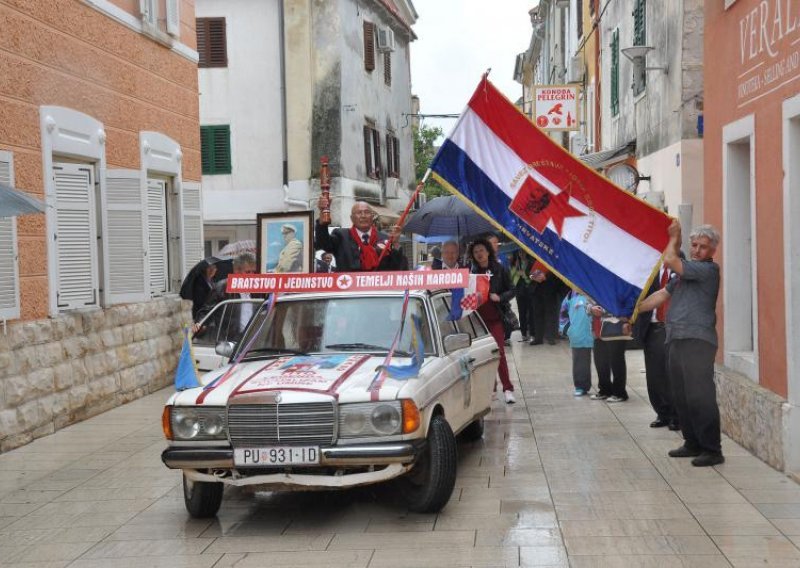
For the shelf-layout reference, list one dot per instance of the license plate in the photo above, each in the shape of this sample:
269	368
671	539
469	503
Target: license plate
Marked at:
277	455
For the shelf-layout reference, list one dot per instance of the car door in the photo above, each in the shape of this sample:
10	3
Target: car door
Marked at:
485	356
223	323
458	368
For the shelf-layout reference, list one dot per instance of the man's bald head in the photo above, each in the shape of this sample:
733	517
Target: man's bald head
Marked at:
362	216
450	253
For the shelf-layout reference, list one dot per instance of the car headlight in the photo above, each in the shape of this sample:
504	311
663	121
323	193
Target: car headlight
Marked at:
198	423
362	420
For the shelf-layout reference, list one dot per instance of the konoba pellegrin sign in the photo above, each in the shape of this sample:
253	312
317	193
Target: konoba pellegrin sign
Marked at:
769	49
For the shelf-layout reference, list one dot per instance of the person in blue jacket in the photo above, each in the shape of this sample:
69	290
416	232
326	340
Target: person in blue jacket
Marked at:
581	340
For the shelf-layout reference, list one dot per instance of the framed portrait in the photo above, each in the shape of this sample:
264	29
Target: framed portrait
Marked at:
285	241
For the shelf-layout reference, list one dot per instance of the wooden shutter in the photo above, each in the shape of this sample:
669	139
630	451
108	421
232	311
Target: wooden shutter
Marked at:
125	245
389	155
376	142
579	14
615	73
192	220
387	67
157	236
173	18
369	46
9	266
396	153
212	42
76	236
368	150
222	149
639	23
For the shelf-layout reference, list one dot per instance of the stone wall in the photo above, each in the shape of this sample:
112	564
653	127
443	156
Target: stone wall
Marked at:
752	416
58	371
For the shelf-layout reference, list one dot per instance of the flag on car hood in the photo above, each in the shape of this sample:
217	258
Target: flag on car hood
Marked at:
592	234
466	300
186	373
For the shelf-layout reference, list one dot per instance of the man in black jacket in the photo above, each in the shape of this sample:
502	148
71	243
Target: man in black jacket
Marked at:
358	248
240	315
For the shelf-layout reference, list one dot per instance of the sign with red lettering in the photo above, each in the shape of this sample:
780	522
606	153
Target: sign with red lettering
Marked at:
556	107
348	281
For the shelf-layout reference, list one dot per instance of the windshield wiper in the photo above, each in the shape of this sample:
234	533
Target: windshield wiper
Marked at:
365	347
276	350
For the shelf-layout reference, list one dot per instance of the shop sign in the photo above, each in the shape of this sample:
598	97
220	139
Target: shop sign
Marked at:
556	107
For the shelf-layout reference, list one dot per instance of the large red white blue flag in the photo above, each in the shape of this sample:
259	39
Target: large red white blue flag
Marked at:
595	236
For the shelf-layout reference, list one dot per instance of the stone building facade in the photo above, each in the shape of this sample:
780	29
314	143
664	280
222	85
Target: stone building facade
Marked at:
98	119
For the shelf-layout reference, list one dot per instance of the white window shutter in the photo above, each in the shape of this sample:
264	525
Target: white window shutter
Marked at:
76	236
9	268
174	18
125	244
157	236
192	221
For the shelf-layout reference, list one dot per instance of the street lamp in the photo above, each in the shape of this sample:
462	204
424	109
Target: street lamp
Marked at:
637	53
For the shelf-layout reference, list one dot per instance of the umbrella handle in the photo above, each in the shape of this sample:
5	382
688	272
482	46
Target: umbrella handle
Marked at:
402	219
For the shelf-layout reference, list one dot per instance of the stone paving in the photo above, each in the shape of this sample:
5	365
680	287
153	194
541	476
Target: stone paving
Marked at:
557	481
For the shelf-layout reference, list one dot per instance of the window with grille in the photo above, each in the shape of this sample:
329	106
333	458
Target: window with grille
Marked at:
369	46
615	73
392	156
212	42
372	152
387	67
215	146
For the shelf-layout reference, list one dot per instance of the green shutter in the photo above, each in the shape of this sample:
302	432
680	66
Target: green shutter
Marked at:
215	142
615	73
640	23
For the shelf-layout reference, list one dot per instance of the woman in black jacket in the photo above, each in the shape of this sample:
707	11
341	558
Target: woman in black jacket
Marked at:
484	261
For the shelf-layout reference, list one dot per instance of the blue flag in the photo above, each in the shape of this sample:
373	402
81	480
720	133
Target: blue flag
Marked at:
186	374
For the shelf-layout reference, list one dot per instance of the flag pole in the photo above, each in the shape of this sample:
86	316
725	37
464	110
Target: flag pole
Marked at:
402	219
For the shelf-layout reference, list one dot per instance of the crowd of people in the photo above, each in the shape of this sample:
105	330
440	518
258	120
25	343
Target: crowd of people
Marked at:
675	325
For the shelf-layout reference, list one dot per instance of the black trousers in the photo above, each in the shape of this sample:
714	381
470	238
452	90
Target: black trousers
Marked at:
609	358
525	306
691	369
659	389
545	310
582	368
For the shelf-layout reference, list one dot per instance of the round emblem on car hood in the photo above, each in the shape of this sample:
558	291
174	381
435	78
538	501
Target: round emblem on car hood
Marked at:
277	398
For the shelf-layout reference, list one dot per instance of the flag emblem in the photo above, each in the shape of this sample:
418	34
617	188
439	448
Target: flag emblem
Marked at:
537	206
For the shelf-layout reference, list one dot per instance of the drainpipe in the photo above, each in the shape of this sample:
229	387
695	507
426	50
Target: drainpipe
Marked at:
284	129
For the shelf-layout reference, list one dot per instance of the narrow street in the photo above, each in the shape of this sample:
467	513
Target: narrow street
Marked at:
557	481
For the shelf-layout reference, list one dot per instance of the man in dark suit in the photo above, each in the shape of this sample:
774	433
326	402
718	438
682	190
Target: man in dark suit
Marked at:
650	331
436	255
358	248
324	264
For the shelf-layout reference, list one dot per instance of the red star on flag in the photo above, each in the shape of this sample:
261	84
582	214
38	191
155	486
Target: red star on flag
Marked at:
536	206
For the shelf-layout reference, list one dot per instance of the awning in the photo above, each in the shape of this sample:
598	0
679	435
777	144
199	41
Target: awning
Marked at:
13	202
604	158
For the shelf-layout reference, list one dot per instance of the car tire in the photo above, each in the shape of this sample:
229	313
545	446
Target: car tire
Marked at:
202	499
428	486
474	431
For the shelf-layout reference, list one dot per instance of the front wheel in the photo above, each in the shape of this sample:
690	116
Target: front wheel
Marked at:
202	499
428	486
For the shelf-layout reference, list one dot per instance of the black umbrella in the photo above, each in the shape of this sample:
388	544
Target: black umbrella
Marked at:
13	202
447	215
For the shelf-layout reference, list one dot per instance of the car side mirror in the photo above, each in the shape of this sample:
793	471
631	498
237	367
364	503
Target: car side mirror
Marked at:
225	348
456	341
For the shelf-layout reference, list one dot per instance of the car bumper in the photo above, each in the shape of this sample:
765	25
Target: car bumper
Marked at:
360	455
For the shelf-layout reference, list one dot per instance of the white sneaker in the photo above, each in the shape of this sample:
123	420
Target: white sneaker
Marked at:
509	397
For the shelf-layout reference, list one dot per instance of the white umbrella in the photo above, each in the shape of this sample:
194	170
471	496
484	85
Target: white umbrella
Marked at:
232	249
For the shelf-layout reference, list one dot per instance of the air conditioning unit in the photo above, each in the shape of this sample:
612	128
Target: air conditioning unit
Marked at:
575	69
385	39
654	198
577	145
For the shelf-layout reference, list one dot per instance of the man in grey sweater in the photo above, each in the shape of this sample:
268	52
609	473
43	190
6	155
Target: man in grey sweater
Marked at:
692	340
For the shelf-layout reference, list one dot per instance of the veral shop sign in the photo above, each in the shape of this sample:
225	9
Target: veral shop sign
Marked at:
556	107
768	48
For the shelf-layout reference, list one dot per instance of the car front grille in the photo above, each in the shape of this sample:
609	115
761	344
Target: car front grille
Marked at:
257	425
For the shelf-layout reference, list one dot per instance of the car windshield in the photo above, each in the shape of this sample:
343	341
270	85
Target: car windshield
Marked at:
338	324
